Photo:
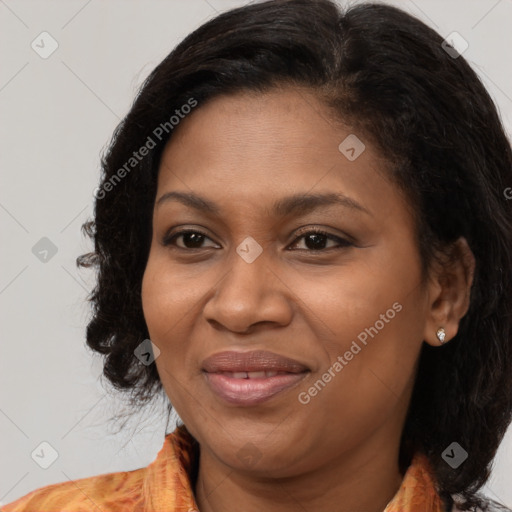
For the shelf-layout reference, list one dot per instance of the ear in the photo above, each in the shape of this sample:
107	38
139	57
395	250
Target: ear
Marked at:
449	290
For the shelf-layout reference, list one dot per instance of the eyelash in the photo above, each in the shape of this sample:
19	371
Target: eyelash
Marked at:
168	240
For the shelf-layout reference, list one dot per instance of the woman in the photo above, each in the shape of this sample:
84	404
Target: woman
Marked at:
306	213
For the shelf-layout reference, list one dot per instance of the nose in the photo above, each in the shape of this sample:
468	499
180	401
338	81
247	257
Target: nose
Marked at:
249	295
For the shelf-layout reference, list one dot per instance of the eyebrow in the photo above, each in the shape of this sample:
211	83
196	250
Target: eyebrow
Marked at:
295	204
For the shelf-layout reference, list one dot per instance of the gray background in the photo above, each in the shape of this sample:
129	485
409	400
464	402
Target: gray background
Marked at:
57	115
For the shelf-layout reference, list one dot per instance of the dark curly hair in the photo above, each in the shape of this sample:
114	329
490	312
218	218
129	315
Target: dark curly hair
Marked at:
386	74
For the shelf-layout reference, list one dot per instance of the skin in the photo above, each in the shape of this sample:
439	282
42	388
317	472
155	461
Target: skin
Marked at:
243	152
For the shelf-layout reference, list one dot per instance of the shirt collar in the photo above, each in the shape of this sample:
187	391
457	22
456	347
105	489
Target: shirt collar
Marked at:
168	485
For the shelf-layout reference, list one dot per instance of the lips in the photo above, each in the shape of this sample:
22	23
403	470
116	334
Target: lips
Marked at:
255	361
250	375
250	378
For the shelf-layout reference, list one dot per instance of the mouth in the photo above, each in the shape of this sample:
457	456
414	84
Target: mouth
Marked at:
251	378
262	374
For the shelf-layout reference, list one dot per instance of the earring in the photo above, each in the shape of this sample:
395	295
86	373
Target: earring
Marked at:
441	335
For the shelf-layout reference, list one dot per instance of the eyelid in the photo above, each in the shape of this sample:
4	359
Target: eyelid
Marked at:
342	240
314	229
169	236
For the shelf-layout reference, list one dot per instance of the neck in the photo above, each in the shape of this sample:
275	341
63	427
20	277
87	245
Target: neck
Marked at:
343	485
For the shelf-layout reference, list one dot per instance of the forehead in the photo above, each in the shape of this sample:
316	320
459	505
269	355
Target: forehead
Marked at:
291	121
254	148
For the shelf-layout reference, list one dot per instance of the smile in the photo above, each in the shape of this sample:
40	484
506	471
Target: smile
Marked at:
250	378
251	388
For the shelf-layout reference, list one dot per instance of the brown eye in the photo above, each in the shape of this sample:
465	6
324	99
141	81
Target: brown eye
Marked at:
315	240
192	239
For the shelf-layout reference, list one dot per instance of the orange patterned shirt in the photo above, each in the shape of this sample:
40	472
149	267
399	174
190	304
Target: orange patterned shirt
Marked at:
165	486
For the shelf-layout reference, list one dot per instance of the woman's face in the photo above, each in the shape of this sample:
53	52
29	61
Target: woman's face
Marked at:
347	307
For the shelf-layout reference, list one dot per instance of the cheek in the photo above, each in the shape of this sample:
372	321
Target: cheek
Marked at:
374	322
163	307
171	297
363	302
157	299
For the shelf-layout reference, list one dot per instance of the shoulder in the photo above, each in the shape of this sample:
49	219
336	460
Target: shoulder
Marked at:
112	491
164	484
